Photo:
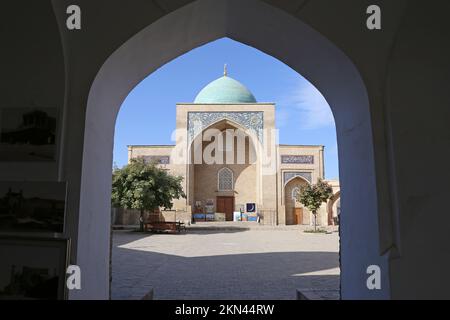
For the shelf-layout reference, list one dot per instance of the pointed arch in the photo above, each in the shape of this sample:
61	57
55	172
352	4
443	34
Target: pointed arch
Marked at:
296	177
335	197
300	47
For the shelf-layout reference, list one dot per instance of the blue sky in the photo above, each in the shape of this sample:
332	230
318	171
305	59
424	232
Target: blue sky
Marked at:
147	115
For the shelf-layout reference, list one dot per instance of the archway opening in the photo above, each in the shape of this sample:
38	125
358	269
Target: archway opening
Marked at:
302	49
234	154
296	213
334	206
224	178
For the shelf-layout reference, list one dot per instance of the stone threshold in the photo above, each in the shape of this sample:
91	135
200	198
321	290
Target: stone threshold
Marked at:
317	294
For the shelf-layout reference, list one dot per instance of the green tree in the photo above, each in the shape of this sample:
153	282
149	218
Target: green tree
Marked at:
144	186
313	195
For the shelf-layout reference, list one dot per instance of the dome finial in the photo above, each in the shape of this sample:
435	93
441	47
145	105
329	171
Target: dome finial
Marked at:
224	90
225	73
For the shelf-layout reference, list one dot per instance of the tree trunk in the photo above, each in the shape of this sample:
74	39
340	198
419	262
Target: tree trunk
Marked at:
141	221
315	220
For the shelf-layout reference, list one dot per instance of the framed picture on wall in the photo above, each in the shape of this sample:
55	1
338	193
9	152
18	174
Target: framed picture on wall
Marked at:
32	206
33	268
28	134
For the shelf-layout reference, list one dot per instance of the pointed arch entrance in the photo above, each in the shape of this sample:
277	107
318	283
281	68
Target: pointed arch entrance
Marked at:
334	208
295	212
224	169
285	38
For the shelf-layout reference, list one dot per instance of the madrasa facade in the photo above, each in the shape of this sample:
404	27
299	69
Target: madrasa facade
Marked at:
233	168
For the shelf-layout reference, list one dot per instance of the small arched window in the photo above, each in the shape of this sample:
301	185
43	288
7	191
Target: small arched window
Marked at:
225	179
295	193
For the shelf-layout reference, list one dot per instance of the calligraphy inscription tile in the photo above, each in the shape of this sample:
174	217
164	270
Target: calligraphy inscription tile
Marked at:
300	159
157	159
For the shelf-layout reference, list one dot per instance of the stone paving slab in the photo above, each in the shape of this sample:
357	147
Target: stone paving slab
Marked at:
223	264
230	226
246	225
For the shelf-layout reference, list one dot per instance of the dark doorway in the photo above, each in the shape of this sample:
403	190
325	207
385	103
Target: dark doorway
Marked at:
298	215
225	205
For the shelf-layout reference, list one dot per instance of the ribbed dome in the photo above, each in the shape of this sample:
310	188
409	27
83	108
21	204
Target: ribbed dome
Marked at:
225	90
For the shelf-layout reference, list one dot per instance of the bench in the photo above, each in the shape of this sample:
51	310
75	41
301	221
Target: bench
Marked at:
181	226
164	226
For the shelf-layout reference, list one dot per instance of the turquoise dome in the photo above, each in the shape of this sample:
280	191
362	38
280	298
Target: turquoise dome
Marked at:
225	90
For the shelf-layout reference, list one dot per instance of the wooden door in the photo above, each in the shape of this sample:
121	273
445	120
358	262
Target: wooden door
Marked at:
298	215
225	205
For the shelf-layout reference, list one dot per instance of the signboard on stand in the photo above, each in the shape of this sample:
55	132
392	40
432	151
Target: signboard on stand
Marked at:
251	207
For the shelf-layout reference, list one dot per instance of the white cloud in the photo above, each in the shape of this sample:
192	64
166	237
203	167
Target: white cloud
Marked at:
308	105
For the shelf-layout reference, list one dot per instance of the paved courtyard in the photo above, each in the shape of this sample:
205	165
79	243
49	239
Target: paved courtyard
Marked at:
255	263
